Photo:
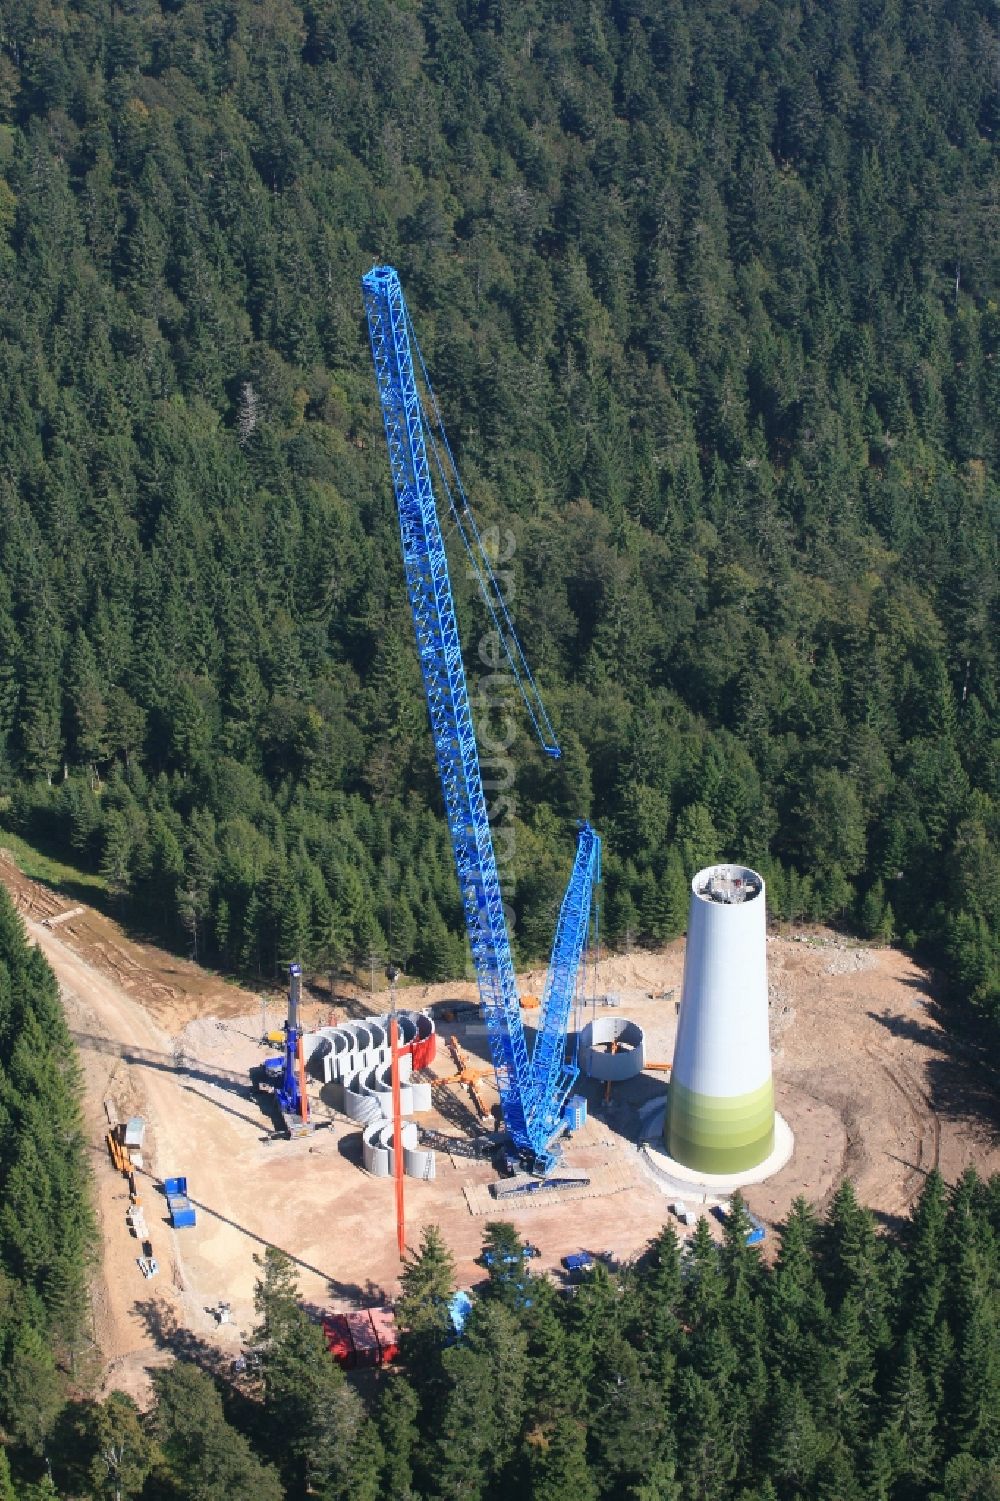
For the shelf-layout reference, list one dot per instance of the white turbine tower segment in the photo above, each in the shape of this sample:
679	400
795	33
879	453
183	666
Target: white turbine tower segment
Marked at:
720	1112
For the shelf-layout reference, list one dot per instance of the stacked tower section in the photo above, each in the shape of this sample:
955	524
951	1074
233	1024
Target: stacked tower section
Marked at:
720	1110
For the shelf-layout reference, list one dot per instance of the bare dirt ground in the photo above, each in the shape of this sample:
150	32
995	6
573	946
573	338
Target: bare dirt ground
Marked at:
871	1085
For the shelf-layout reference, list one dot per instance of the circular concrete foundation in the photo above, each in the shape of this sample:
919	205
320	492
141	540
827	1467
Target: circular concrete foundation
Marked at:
676	1178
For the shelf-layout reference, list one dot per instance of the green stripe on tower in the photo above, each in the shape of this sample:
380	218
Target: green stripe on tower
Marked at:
720	1134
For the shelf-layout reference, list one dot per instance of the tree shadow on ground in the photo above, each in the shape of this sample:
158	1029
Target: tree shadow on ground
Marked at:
894	1224
168	1333
963	1082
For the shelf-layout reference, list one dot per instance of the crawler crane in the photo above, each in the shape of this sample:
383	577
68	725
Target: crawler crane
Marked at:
534	1086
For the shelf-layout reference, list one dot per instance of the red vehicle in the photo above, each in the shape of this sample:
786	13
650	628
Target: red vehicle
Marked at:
366	1338
338	1340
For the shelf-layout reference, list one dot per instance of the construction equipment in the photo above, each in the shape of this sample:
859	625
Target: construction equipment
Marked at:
285	1076
533	1088
467	1076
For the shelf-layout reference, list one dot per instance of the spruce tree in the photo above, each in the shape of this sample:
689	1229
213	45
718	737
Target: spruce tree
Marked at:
398	1412
428	1285
658	1297
503	1255
908	1435
706	1457
556	1463
794	1445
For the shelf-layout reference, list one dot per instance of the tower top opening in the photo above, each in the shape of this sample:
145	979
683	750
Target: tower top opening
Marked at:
729	885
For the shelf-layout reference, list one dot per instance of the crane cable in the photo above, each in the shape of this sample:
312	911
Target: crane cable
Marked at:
485	577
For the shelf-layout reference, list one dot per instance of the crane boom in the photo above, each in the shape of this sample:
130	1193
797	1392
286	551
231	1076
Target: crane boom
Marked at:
554	1074
528	1100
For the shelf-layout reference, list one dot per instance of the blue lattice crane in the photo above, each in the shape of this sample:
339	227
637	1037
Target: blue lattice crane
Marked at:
533	1087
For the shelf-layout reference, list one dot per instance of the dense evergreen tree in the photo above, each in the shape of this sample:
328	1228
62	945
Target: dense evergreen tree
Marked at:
856	1367
709	297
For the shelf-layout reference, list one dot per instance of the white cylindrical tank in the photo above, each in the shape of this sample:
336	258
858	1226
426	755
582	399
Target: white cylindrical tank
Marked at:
720	1109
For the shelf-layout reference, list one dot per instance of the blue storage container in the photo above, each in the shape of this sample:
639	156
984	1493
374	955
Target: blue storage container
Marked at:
174	1186
181	1212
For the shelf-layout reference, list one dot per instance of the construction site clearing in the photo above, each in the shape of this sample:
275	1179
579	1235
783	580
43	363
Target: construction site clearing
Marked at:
872	1086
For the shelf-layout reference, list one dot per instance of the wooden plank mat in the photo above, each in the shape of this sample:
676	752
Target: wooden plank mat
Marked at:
611	1178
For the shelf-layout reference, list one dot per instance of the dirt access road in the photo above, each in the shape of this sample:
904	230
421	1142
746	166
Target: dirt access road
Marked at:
871	1085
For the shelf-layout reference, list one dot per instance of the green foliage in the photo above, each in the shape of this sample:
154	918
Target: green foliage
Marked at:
316	1429
122	1452
508	1270
201	1456
847	1370
46	1218
710	304
428	1284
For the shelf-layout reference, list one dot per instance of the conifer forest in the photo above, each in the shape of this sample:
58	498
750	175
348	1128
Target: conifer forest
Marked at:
709	297
709	291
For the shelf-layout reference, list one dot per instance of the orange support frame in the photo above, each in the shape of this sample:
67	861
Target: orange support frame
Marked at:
397	1135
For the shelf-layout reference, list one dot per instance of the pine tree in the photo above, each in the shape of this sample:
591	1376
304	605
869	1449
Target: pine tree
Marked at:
314	1419
117	854
555	1384
974	1386
794	1446
631	1441
852	1259
464	1465
706	1457
494	1333
908	1435
676	895
704	1285
433	957
741	1263
696	838
31	1395
87	697
504	1258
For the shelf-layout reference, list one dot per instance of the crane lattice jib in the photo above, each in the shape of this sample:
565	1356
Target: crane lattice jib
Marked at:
429	589
554	1074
